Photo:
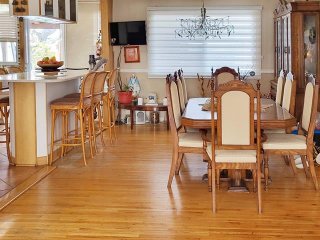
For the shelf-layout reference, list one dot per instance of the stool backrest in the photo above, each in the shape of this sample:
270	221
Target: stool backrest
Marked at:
100	79
87	84
13	69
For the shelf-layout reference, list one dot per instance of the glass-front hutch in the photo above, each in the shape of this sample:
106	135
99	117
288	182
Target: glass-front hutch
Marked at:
296	31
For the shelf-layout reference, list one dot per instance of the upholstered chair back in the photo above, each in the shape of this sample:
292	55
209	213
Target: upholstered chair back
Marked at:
235	105
287	92
181	95
175	104
184	85
225	77
280	88
307	106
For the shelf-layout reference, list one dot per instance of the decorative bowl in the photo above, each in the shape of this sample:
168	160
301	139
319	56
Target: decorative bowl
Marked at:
50	66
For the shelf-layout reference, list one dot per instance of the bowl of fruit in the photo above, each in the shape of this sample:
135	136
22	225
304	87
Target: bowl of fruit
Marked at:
49	64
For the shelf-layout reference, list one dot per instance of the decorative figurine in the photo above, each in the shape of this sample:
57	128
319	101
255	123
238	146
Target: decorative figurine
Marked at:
135	85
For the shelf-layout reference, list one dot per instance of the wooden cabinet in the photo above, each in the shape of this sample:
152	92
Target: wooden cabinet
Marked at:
296	30
52	11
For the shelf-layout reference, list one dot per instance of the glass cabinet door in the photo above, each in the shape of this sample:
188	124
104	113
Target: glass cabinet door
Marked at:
278	47
310	36
285	45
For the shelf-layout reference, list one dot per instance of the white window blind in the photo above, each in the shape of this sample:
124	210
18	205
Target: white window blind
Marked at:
8	37
168	52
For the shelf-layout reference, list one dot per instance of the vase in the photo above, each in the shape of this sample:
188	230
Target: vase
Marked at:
125	97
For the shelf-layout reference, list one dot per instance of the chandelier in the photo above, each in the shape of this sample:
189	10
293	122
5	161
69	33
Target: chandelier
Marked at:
204	27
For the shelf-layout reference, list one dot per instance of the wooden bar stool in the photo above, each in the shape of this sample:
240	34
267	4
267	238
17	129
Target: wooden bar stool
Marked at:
13	69
109	98
97	103
4	109
82	107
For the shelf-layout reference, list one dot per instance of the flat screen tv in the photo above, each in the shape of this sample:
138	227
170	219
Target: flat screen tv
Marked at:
124	33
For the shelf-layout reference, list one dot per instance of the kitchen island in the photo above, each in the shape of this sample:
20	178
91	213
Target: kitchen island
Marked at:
30	94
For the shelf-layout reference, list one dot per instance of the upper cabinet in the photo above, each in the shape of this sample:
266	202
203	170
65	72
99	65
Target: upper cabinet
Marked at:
296	31
52	11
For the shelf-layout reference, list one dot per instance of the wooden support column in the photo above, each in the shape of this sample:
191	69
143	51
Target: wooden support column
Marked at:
107	52
25	124
106	18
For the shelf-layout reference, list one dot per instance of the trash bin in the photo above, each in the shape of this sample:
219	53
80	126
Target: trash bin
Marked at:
154	117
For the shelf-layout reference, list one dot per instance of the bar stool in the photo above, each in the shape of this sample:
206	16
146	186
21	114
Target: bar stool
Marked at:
4	109
109	99
82	107
97	102
13	69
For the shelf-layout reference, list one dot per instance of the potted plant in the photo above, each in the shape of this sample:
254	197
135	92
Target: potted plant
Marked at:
124	94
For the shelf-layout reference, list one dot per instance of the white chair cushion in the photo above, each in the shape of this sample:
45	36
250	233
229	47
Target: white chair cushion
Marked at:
284	141
233	156
192	139
276	130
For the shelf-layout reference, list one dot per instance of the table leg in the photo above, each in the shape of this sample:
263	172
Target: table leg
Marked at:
237	183
167	119
131	118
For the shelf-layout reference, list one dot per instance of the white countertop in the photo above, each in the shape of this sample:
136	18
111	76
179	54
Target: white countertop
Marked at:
37	76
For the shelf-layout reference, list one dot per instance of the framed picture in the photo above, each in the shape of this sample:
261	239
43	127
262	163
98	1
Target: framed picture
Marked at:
131	54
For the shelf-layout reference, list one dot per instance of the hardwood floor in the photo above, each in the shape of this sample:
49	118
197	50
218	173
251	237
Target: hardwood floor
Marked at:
122	194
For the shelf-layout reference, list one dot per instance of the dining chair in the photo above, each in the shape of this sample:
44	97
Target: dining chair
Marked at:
184	84
234	147
289	94
223	75
301	144
82	108
280	87
183	142
180	92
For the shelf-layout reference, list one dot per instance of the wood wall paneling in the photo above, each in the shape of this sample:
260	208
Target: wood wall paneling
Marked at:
25	124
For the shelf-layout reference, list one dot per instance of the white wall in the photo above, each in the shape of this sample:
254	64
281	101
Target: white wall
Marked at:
81	37
137	11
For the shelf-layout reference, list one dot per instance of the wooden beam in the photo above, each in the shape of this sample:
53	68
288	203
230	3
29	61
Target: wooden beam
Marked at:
106	18
4	1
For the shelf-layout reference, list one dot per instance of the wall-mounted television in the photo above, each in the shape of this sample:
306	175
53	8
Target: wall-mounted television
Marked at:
124	33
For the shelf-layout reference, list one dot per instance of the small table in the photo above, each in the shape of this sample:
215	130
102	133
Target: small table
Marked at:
144	107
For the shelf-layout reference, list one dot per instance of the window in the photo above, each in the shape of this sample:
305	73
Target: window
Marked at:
8	37
167	53
45	40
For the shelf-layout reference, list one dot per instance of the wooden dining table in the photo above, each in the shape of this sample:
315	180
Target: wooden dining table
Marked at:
273	116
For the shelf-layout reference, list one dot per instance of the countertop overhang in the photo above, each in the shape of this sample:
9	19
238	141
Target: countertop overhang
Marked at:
40	77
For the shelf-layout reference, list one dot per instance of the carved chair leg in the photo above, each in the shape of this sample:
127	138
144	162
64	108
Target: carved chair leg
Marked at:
254	178
213	192
218	178
209	176
286	159
179	162
312	170
305	166
173	167
258	179
266	171
292	164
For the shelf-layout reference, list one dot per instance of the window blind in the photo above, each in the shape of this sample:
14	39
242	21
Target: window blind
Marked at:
8	36
168	52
